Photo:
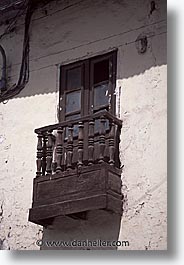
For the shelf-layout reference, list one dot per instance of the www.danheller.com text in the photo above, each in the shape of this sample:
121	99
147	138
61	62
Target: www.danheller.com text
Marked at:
83	243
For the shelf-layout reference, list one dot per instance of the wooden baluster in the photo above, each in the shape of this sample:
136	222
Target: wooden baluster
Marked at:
49	153
59	148
111	144
64	158
54	156
91	143
39	155
69	147
102	139
80	144
44	155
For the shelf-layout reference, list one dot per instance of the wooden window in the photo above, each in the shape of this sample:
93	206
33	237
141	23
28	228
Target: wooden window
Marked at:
87	87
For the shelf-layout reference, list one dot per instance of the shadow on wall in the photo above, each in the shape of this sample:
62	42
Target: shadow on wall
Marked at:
134	58
138	49
98	230
133	61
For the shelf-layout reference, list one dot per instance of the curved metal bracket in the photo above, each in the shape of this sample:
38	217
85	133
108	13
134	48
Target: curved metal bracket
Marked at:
3	76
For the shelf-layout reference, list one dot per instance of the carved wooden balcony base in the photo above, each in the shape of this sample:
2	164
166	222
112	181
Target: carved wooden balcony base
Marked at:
92	187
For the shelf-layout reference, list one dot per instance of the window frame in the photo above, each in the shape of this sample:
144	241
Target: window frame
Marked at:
87	88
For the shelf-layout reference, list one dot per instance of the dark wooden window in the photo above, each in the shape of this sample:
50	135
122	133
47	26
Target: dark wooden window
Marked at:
87	87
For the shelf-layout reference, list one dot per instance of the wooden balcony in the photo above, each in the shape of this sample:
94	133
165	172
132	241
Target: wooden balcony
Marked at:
78	168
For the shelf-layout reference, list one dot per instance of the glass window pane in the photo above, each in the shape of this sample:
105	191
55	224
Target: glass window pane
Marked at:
101	71
74	78
73	101
101	95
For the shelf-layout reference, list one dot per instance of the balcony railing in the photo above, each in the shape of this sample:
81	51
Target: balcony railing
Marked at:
77	168
70	145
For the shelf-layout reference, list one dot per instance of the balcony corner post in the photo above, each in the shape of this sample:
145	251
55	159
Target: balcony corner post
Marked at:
111	144
39	155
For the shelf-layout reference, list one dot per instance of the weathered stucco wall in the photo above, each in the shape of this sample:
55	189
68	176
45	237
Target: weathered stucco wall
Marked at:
66	31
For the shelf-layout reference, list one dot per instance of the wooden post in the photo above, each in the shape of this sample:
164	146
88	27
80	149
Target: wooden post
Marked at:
111	144
59	148
39	155
102	139
44	155
49	153
91	143
80	144
69	147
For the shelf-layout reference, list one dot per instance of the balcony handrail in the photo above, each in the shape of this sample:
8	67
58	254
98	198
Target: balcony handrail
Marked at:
86	118
58	149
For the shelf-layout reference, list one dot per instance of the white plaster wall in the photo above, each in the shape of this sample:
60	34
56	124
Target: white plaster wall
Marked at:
72	30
